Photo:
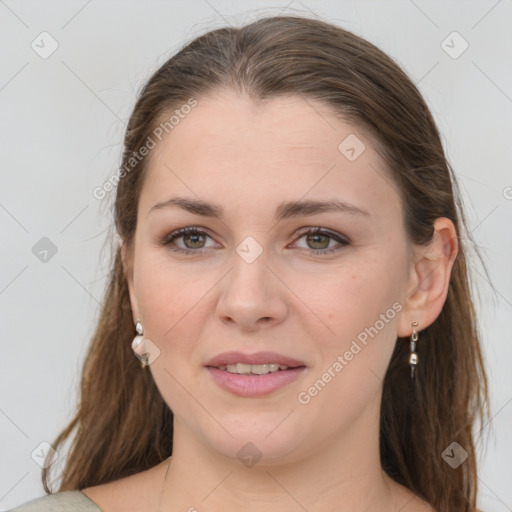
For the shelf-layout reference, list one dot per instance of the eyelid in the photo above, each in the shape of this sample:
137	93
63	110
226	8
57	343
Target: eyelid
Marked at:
323	231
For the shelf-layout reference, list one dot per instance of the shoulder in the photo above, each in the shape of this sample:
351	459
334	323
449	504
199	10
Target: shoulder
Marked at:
67	501
136	492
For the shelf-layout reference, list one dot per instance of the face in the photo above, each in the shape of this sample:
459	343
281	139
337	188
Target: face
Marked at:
267	268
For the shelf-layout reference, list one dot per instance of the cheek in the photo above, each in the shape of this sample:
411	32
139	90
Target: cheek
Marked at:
352	297
169	299
360	304
353	361
173	304
176	302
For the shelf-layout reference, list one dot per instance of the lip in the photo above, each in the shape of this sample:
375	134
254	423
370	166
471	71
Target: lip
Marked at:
257	358
254	385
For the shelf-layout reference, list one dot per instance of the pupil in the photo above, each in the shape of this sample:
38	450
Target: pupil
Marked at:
195	240
315	239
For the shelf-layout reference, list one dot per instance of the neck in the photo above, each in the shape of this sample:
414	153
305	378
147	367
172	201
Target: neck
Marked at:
342	474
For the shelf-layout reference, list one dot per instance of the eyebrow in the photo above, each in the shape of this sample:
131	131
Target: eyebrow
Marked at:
285	210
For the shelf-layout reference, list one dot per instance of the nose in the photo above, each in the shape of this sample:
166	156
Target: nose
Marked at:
252	296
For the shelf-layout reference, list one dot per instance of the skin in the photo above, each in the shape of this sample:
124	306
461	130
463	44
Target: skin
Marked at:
248	157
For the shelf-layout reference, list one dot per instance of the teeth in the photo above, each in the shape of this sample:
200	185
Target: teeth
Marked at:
258	369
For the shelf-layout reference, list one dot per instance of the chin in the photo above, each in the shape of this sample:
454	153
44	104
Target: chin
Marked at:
252	441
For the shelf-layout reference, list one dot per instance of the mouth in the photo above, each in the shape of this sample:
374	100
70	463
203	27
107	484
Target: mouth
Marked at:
260	361
253	375
255	369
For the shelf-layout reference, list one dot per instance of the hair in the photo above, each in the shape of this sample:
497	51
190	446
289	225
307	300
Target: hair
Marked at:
122	424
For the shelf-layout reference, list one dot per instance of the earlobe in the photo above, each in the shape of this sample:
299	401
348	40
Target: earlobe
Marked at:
430	278
127	260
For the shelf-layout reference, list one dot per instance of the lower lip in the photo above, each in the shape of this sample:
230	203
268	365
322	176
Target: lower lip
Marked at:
254	385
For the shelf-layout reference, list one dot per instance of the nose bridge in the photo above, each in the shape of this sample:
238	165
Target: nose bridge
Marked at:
250	291
249	279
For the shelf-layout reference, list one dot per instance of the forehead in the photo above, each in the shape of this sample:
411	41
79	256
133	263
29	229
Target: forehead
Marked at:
257	151
269	126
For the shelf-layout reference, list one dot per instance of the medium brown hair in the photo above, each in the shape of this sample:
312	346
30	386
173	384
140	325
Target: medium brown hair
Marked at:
122	424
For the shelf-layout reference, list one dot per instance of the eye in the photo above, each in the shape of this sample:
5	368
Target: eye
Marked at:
193	240
318	240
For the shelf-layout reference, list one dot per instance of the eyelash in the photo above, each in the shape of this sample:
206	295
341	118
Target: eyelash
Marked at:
167	240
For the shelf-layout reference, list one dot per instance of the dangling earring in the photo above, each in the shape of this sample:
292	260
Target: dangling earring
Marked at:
136	345
413	357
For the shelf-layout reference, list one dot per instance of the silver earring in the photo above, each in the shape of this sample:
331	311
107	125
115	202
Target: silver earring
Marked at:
136	344
413	357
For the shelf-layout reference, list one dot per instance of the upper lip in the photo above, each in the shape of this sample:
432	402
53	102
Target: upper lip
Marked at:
257	358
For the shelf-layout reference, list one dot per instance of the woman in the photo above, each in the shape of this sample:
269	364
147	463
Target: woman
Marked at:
291	277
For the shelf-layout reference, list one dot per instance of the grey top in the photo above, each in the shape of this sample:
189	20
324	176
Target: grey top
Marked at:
67	501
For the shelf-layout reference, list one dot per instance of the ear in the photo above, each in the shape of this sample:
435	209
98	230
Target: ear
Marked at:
127	259
429	278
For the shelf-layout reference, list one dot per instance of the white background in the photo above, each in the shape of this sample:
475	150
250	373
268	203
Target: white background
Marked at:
62	123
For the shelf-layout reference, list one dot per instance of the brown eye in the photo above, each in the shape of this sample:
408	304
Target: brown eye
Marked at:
187	241
318	241
193	240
